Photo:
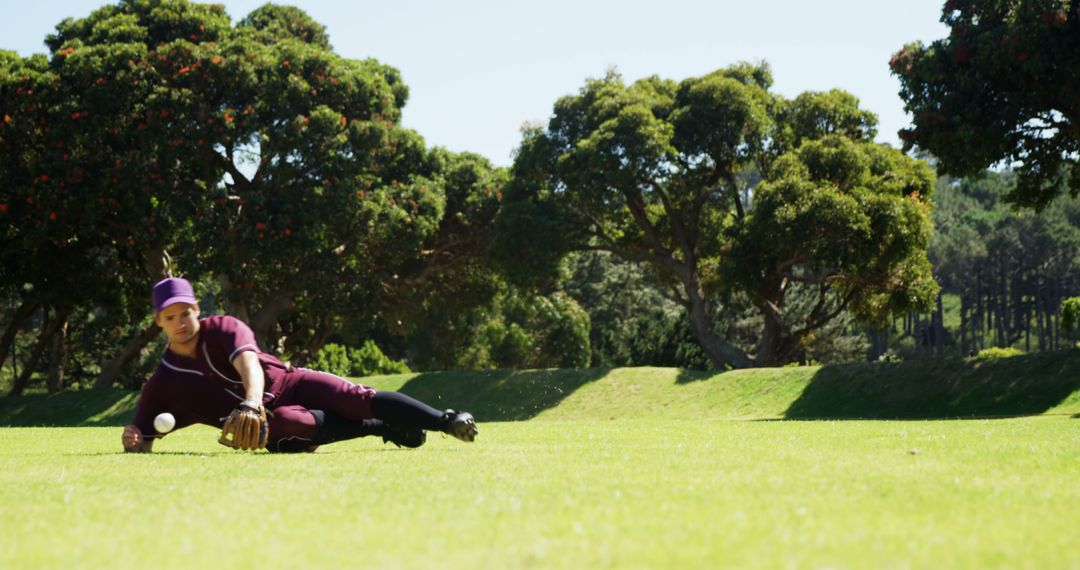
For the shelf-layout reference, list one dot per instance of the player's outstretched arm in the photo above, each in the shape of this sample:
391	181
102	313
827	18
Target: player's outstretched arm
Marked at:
134	441
251	375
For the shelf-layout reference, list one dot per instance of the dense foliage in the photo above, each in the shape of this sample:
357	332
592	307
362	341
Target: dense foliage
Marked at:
367	360
1002	88
663	172
158	137
1003	272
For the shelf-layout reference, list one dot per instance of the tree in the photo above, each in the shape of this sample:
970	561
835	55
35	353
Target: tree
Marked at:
1003	271
158	137
1000	89
847	222
657	172
631	320
1070	317
524	330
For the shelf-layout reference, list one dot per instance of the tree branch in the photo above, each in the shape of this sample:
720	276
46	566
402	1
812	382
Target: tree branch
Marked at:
228	165
682	236
733	189
821	321
681	270
637	208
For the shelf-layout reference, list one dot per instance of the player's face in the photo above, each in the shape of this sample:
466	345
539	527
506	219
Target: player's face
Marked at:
180	322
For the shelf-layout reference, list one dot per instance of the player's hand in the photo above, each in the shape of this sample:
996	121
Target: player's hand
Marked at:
132	439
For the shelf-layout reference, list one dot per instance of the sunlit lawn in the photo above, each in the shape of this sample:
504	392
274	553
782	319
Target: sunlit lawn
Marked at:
563	494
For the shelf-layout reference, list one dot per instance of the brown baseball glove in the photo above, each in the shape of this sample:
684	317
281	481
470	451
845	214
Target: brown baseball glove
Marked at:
245	428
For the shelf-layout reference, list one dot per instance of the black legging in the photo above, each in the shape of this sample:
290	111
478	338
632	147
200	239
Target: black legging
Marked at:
390	409
400	410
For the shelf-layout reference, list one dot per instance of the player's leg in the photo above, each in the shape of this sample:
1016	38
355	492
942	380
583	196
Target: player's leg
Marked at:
295	429
347	410
396	408
355	402
332	427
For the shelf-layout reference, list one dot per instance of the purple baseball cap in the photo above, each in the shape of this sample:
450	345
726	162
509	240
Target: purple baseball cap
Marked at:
171	291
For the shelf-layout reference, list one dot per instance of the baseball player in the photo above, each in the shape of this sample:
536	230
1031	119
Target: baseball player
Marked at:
213	373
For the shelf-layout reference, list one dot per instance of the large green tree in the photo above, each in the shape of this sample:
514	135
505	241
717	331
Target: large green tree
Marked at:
846	224
1002	88
662	172
158	137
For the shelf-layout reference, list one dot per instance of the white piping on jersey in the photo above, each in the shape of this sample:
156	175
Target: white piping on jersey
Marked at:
233	394
207	355
178	369
240	348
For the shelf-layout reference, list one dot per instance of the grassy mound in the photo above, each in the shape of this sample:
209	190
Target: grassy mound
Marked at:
938	388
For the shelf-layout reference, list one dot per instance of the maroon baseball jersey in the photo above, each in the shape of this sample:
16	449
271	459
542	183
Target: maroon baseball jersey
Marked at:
204	389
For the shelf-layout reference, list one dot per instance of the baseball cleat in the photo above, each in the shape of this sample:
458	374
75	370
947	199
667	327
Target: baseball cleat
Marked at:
460	425
404	437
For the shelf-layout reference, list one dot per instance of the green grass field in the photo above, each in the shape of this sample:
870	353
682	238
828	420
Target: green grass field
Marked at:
632	468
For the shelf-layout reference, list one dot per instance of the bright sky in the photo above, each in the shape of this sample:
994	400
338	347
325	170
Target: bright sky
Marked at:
478	69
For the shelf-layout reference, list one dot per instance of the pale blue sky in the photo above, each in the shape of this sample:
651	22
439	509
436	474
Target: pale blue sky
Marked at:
477	70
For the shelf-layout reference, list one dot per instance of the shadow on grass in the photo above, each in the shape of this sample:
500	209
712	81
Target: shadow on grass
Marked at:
111	407
687	376
500	395
941	388
152	454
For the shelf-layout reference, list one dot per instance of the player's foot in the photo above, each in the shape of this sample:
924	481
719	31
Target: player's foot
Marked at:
404	437
460	425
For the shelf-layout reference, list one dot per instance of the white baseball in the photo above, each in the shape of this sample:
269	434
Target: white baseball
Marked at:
164	423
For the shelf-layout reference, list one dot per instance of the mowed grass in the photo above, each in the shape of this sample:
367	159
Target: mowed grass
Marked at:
629	492
953	463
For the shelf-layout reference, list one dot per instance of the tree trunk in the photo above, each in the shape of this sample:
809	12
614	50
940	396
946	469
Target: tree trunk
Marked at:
157	262
1002	306
977	323
771	350
111	370
1052	314
1039	310
23	313
917	332
318	340
939	327
1028	307
1020	317
48	329
963	325
58	354
720	353
263	321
